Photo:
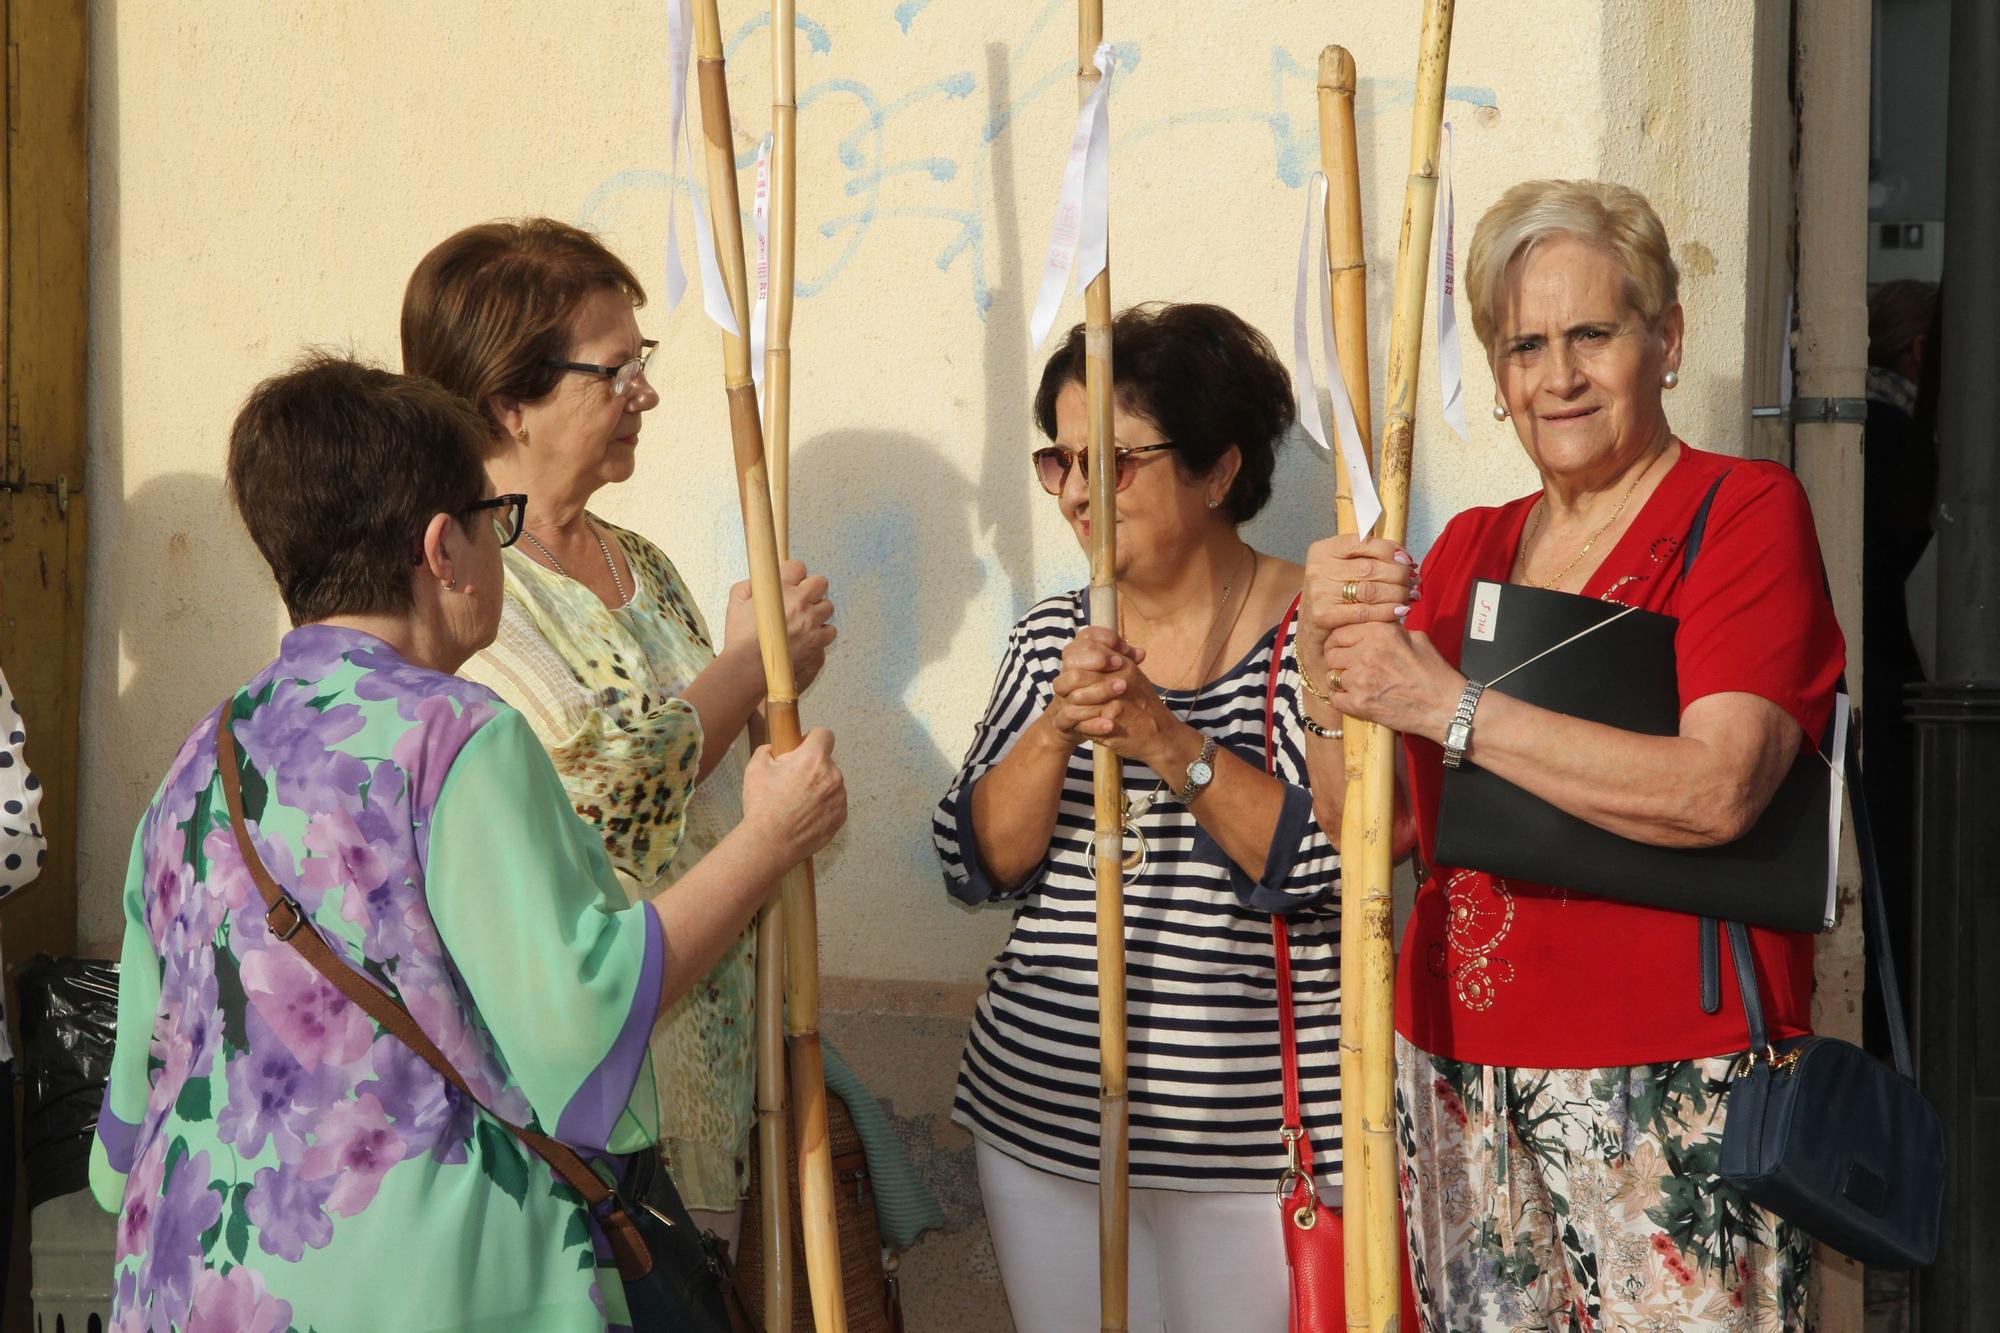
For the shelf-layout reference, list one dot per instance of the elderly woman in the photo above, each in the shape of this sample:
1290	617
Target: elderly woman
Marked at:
1214	848
1559	1083
277	1160
601	646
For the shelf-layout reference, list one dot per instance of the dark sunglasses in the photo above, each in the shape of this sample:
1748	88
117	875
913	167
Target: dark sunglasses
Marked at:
1052	464
622	377
507	523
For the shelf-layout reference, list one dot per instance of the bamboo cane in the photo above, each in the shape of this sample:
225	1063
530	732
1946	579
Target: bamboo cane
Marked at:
1366	861
1346	259
801	918
1107	771
773	1174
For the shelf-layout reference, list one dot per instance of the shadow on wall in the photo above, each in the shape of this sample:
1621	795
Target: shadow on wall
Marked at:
894	534
1003	519
191	613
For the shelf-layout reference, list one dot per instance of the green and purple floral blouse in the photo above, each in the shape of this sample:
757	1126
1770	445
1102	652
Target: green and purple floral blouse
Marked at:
276	1160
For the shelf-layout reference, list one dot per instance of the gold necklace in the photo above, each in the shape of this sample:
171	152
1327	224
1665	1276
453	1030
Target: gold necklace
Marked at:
1542	504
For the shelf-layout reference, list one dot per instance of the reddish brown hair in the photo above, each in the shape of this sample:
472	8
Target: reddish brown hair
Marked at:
490	306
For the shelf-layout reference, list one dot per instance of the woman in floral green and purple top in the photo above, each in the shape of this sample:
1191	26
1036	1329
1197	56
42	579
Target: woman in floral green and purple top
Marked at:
277	1161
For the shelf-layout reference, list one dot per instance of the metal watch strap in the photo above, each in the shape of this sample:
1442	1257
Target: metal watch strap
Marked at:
1190	789
1461	724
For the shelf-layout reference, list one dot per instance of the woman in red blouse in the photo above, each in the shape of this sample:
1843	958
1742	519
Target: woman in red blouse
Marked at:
1559	1086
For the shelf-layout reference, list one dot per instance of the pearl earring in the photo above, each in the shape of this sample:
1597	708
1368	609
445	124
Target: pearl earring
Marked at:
1213	502
1500	413
1671	378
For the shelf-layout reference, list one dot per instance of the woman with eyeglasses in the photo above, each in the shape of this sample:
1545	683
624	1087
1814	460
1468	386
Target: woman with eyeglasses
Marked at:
600	643
1213	848
276	1157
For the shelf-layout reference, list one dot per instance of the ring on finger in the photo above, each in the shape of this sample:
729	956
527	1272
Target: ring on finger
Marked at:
1350	592
1333	679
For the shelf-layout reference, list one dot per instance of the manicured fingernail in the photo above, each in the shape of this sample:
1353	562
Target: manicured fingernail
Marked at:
1402	611
1116	662
1403	557
1118	687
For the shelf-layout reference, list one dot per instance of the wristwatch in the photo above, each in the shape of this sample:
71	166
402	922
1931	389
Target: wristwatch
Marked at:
1458	732
1200	773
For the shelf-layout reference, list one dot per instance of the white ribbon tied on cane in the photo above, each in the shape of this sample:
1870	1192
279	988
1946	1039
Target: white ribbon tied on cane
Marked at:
714	295
1451	358
1080	239
760	213
1353	451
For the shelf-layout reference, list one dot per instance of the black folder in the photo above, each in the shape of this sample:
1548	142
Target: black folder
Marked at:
1780	874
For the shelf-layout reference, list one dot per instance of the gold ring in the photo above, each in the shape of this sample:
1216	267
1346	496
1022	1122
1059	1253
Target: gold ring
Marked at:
1350	592
1333	679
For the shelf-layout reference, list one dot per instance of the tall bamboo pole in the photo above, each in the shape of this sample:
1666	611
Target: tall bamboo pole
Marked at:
773	1174
801	917
1366	861
1346	259
1107	770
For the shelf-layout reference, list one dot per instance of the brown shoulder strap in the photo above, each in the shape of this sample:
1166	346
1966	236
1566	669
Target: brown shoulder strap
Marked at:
288	922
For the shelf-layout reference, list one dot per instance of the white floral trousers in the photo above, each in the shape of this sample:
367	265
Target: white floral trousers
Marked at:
1579	1200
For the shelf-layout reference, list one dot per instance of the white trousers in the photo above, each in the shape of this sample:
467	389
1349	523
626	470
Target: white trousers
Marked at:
1199	1262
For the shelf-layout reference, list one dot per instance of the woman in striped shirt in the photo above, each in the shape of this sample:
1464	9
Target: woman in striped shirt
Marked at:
1213	848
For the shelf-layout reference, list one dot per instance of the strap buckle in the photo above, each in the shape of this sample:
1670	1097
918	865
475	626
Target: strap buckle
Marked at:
1294	1173
291	928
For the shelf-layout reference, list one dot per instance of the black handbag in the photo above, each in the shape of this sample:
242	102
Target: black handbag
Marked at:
1819	1131
692	1287
1616	666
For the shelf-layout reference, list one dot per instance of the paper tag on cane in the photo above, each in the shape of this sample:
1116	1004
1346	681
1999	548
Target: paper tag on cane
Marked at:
1451	360
760	213
1079	240
714	294
1352	454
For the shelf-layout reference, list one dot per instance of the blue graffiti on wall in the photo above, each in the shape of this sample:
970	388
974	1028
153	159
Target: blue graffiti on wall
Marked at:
953	189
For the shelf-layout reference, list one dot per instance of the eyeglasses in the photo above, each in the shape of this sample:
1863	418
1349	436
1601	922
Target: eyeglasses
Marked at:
622	377
507	523
1052	464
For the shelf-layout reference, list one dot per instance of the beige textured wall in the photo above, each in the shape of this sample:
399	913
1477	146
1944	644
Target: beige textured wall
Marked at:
265	176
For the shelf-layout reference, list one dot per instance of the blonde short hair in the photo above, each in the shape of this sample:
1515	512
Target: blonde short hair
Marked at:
1614	217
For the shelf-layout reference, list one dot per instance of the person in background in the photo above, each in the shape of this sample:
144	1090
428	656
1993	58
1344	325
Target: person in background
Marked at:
276	1158
1559	1084
1215	847
1900	474
601	646
22	850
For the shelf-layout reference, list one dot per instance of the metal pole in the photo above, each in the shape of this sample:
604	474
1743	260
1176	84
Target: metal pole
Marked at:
1957	715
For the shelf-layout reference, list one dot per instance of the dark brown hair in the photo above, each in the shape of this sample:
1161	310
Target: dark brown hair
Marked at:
1204	377
490	306
336	468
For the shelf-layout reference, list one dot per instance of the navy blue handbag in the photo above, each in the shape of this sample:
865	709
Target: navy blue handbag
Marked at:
1820	1132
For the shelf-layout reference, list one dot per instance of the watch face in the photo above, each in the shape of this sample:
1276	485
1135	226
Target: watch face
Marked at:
1200	774
1456	735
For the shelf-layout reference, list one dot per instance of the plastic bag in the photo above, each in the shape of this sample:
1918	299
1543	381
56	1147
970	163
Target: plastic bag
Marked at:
69	1021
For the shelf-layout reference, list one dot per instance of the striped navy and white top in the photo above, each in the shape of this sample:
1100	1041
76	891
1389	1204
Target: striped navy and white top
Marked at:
1202	1021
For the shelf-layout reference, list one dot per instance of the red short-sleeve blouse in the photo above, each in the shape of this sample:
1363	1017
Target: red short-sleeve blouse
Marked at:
1509	973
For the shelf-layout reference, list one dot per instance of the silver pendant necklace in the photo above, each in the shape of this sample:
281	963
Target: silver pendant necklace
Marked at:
1134	811
605	551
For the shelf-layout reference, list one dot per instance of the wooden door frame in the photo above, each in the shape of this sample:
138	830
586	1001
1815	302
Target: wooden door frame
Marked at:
44	316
